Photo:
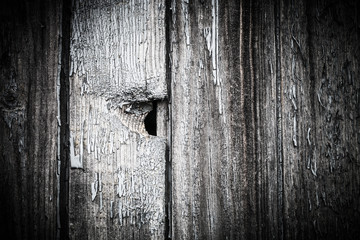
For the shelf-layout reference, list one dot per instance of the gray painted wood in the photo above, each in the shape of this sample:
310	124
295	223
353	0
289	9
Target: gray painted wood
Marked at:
117	180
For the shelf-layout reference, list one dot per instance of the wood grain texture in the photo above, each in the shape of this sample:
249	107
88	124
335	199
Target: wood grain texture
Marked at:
320	140
118	49
117	180
264	119
257	119
207	106
29	62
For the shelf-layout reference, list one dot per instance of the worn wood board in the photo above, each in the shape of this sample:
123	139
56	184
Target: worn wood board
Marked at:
117	180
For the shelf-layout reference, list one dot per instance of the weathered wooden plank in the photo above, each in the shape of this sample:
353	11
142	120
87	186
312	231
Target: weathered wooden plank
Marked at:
320	138
296	117
224	121
264	134
268	168
117	69
333	185
213	121
30	56
264	120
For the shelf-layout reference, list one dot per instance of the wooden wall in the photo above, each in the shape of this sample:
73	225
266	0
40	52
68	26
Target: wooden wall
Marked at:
117	70
257	119
265	119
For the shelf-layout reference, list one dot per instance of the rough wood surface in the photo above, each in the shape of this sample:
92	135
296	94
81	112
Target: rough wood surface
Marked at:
265	119
29	62
117	180
118	49
257	119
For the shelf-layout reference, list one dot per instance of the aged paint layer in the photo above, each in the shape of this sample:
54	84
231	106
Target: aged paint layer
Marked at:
264	120
117	181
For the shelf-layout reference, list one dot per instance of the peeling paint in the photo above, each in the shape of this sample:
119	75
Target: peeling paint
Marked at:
94	187
128	45
308	136
75	160
124	165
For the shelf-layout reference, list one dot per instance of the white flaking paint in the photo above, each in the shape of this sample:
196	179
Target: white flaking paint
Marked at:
117	59
94	187
75	161
308	136
215	41
129	55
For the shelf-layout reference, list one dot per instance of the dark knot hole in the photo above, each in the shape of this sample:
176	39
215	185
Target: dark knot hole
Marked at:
150	120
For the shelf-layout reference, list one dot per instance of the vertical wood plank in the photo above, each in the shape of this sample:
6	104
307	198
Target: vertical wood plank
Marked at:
30	46
117	180
320	138
213	120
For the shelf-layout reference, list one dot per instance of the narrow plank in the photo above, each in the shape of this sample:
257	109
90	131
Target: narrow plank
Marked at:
117	180
30	56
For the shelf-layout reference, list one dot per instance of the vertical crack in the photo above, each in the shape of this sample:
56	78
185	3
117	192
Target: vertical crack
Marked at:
63	184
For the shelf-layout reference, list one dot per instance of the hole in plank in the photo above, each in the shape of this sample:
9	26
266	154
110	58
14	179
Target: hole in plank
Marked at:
150	120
